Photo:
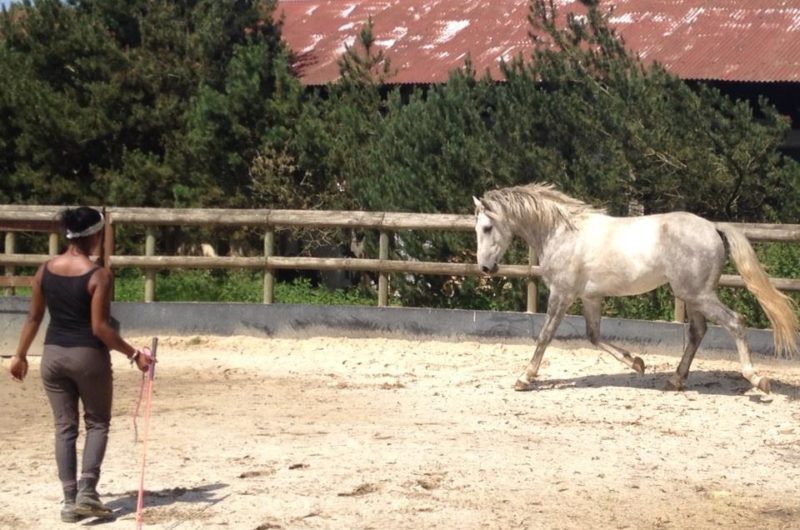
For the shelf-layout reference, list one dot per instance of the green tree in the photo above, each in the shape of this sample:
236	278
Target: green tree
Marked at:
251	104
629	131
142	103
353	116
61	62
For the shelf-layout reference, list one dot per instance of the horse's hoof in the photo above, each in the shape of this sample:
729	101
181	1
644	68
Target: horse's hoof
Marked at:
764	385
674	384
523	386
638	365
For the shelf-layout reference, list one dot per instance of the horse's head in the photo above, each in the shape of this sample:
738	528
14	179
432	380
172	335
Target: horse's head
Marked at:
494	236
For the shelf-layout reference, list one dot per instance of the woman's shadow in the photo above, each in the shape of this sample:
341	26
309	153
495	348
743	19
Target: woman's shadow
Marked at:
125	503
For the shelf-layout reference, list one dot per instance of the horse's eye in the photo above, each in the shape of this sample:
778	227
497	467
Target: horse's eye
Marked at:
487	229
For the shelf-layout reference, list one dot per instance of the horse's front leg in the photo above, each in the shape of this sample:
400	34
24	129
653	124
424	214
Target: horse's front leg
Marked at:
592	310
557	306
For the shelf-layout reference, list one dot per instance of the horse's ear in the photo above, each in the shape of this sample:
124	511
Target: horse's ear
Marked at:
480	206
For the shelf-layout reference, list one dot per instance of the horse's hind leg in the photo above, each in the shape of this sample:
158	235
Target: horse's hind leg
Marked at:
716	311
591	313
697	330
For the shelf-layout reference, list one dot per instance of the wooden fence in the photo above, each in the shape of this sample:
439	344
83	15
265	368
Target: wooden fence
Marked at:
16	218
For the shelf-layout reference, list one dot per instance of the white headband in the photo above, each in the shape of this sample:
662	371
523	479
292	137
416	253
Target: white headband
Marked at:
89	231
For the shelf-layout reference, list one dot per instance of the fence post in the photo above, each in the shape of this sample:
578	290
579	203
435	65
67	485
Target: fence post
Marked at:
383	278
269	277
108	245
9	249
52	244
149	274
680	310
533	291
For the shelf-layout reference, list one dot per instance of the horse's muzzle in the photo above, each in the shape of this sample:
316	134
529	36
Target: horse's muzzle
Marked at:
489	270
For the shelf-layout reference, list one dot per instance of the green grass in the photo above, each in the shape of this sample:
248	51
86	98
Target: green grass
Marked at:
230	286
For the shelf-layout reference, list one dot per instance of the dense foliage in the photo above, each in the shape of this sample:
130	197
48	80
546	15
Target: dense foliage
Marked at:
157	103
146	103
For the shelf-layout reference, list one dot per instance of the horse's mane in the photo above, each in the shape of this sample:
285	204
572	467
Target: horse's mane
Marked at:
542	202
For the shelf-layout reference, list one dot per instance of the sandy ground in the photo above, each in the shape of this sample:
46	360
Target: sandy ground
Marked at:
379	433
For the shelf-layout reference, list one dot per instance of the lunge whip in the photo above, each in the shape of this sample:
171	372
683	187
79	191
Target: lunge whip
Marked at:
146	393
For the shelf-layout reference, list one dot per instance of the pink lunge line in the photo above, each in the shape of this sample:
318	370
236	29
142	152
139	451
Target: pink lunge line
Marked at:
145	391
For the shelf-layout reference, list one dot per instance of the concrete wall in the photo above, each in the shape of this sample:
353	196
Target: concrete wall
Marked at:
287	320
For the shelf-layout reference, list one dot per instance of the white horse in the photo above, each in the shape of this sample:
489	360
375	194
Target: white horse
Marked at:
586	254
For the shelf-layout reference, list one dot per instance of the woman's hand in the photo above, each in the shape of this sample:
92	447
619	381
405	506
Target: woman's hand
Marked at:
19	368
143	357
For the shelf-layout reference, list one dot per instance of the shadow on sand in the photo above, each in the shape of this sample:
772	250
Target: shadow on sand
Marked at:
717	382
125	503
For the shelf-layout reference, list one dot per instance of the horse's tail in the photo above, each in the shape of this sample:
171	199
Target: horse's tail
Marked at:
780	309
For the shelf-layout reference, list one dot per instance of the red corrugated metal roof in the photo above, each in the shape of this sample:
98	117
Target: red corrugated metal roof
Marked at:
736	40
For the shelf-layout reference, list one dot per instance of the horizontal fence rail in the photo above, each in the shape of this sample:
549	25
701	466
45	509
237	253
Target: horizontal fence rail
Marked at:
23	218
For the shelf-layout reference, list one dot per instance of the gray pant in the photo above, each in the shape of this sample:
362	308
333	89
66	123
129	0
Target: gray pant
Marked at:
69	375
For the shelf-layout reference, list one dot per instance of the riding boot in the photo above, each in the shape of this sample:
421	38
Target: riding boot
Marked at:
68	513
87	502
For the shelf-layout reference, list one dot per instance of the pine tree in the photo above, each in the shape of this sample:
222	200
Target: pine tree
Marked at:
57	136
142	103
628	131
248	103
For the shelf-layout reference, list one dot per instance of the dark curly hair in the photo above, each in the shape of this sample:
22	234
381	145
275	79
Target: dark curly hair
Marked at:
77	220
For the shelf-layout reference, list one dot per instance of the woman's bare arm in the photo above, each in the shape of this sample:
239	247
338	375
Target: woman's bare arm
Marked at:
100	289
19	364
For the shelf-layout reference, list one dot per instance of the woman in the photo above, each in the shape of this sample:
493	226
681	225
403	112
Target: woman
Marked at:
76	364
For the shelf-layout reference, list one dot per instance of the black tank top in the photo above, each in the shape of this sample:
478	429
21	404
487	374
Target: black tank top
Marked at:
70	308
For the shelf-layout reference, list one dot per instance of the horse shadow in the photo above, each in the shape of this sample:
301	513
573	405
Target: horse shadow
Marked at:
708	382
125	503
